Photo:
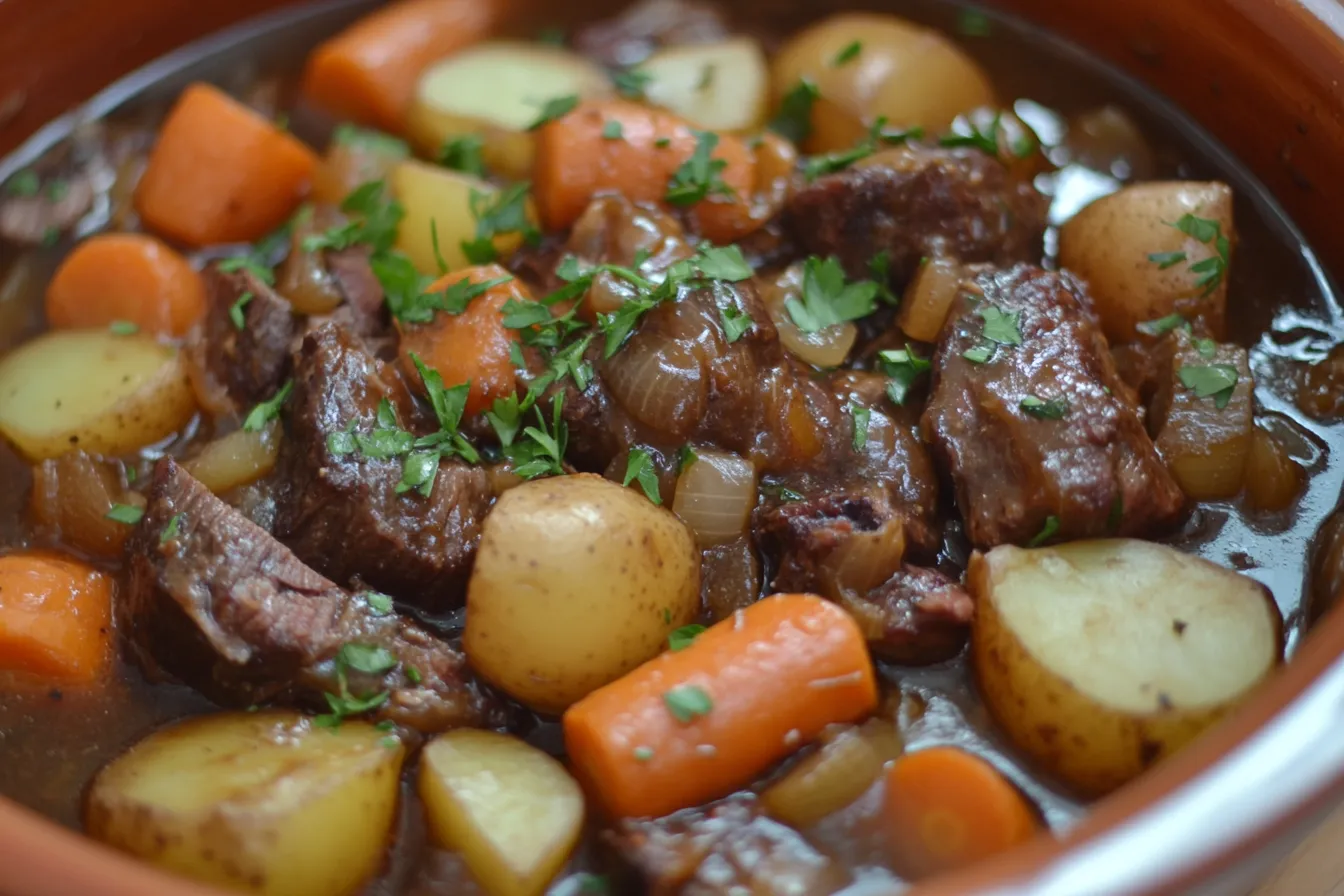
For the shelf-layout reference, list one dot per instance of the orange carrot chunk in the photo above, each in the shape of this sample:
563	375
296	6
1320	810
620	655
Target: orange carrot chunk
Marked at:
945	809
471	347
127	277
574	162
697	723
221	173
55	618
368	72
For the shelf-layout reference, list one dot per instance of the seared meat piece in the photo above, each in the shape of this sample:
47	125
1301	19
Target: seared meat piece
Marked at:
55	208
916	617
213	600
1044	428
723	849
233	367
341	513
837	542
919	201
364	312
644	27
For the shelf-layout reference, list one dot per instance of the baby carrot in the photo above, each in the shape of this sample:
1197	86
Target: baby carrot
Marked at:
945	809
471	347
221	173
574	161
694	724
125	277
367	73
55	618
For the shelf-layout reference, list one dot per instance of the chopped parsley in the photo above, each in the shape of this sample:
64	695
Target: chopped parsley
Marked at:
1054	409
1207	348
902	368
641	754
1216	381
826	299
701	175
685	457
24	183
171	530
498	213
375	218
1165	260
555	108
463	154
612	130
880	267
1000	326
125	513
793	122
706	77
848	54
877	137
370	140
237	310
367	658
1162	325
268	410
57	189
862	416
597	884
413	675
1210	271
722	263
662	143
631	83
379	603
1048	531
541	450
687	703
123	328
973	23
782	492
979	353
639	468
986	137
684	637
735	323
252	264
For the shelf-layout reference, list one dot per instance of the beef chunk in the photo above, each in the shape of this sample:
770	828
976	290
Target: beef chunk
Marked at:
233	367
364	312
213	600
52	210
341	512
1044	428
644	27
915	202
824	544
724	849
918	616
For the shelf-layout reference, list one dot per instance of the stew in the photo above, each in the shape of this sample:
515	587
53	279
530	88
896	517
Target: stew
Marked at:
664	453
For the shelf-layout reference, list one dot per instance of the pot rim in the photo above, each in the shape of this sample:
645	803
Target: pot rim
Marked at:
1277	762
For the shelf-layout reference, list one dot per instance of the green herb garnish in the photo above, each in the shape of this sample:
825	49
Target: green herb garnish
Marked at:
125	513
684	637
1216	381
902	368
1054	409
639	468
463	154
268	410
793	122
826	299
1047	532
687	703
555	108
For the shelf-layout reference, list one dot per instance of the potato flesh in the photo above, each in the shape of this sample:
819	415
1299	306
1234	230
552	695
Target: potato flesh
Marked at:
577	581
1098	658
722	86
513	812
256	802
497	89
432	194
94	390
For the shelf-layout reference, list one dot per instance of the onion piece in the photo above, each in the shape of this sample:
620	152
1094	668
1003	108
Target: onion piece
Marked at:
928	297
827	347
864	560
71	497
660	383
237	459
715	496
834	776
304	279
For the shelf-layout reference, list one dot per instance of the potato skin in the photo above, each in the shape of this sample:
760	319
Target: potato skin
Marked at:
1109	242
256	802
577	581
1094	748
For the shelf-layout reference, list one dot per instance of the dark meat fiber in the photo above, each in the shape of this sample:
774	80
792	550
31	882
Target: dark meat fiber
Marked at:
240	366
213	600
1044	429
341	513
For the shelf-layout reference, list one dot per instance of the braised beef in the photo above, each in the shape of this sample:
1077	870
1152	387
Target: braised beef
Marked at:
919	201
236	367
918	616
648	25
54	208
341	513
724	849
364	312
214	601
1041	436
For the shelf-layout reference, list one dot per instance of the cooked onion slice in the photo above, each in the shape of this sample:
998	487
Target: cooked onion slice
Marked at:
715	496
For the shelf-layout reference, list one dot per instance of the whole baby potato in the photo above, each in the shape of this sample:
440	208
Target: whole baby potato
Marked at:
577	581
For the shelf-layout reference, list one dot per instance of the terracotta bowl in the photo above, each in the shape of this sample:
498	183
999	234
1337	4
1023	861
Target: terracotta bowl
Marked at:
1264	77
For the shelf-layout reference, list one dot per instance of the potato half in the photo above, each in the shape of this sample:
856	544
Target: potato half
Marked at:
1099	658
513	812
496	89
722	86
256	802
577	581
94	390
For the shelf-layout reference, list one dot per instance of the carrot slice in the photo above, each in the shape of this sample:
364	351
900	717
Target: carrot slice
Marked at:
55	618
694	724
368	72
471	347
125	277
945	809
574	161
221	173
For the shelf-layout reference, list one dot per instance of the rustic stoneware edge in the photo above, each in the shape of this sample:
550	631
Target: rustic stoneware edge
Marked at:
1264	76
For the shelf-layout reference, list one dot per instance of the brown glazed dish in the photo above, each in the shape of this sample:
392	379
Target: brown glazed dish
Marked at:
1265	79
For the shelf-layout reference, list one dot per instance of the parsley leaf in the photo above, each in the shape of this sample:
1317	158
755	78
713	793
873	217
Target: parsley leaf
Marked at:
125	513
498	213
631	83
902	368
24	183
639	468
552	109
250	263
826	298
1054	409
848	54
878	136
1165	260
379	604
723	263
541	451
612	130
268	410
1210	271
793	122
782	492
700	175
1162	325
1207	348
1048	531
370	141
418	473
861	416
171	530
463	154
685	457
123	328
1000	326
735	323
979	354
377	218
367	658
687	703
237	311
684	637
1216	381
